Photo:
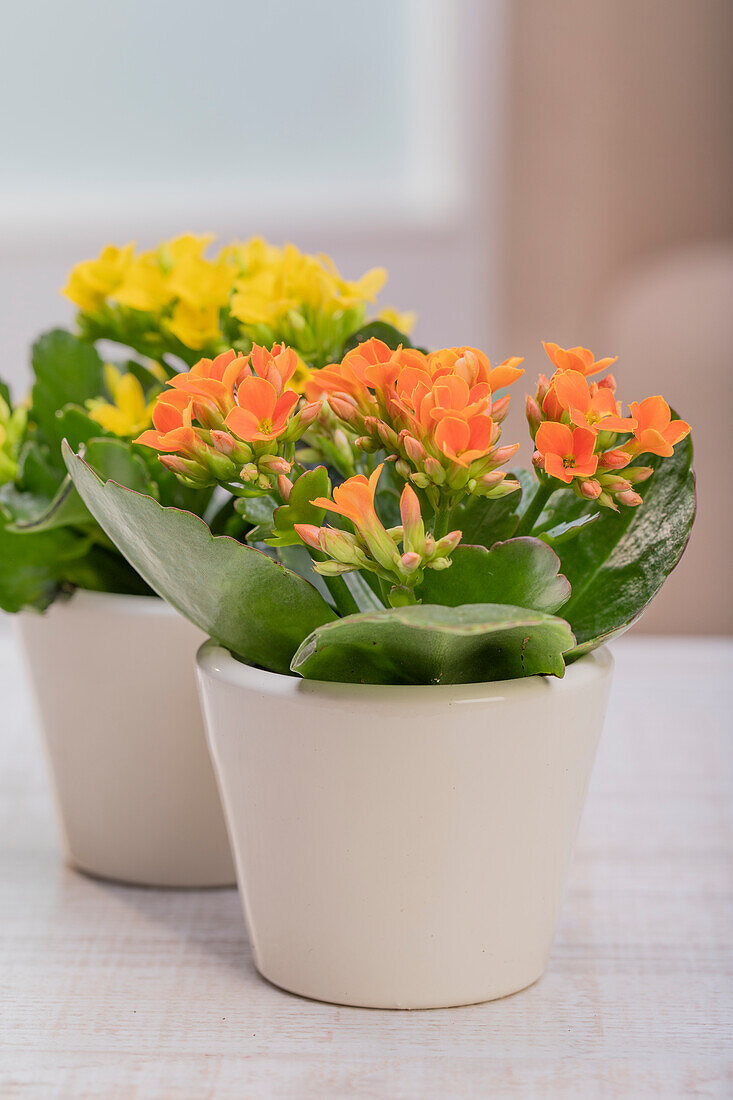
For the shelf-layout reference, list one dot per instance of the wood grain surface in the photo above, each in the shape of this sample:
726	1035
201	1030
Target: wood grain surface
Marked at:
134	994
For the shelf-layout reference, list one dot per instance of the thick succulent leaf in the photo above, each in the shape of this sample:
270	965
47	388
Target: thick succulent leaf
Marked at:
619	563
254	606
522	572
483	522
66	371
426	644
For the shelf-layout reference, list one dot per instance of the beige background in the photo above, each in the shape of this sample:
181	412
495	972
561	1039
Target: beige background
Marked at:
618	228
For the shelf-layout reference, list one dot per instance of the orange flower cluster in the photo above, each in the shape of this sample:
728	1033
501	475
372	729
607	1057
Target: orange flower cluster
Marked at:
232	418
372	546
576	425
435	412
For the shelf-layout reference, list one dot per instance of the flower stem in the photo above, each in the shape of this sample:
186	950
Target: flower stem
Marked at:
441	524
542	494
344	601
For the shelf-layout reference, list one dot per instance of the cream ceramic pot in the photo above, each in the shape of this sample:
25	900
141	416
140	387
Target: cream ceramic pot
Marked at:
116	695
402	847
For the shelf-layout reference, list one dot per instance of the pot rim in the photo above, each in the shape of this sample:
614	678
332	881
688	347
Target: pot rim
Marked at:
216	662
115	603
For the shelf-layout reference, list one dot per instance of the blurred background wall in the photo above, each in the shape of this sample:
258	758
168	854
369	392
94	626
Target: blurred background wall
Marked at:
526	169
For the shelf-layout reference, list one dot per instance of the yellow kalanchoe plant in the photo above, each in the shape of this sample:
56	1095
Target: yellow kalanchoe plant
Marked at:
173	300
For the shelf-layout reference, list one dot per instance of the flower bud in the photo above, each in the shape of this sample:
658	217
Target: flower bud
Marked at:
344	408
248	473
434	470
607	383
223	442
613	460
614	483
366	443
412	447
537	460
637	474
534	416
543	386
309	533
410	561
591	490
274	464
507	486
421	480
629	498
500	408
489	481
402	468
448	543
503	454
284	487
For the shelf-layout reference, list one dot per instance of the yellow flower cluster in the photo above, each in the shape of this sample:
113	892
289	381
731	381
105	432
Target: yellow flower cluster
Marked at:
12	427
268	294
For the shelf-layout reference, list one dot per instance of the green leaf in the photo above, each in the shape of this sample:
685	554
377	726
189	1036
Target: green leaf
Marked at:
522	572
617	565
114	460
311	484
254	606
563	532
32	566
67	371
67	509
378	330
425	644
484	522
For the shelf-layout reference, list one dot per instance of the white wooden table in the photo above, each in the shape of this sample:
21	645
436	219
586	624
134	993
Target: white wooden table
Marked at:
109	991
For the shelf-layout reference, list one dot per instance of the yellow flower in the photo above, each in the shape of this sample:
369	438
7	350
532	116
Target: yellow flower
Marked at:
127	414
195	326
189	246
249	257
92	281
200	283
403	322
145	285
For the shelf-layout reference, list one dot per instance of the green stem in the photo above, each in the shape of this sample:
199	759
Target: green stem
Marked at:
441	524
542	494
344	601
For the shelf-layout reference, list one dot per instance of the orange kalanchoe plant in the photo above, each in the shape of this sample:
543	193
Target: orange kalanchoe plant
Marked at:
382	495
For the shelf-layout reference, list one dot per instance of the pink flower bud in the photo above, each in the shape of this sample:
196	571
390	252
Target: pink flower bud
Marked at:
488	481
591	490
608	383
308	413
275	464
630	498
537	460
410	561
175	463
309	534
637	474
343	408
613	460
543	386
448	543
386	434
284	487
534	416
223	442
500	408
412	447
503	454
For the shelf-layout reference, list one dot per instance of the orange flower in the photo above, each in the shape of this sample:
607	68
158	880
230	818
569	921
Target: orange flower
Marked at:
474	366
465	440
354	499
578	359
567	452
277	366
261	414
656	433
172	429
214	380
588	405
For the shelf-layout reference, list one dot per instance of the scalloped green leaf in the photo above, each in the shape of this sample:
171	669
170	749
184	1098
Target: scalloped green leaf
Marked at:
66	371
523	572
379	330
427	644
310	484
254	606
482	522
